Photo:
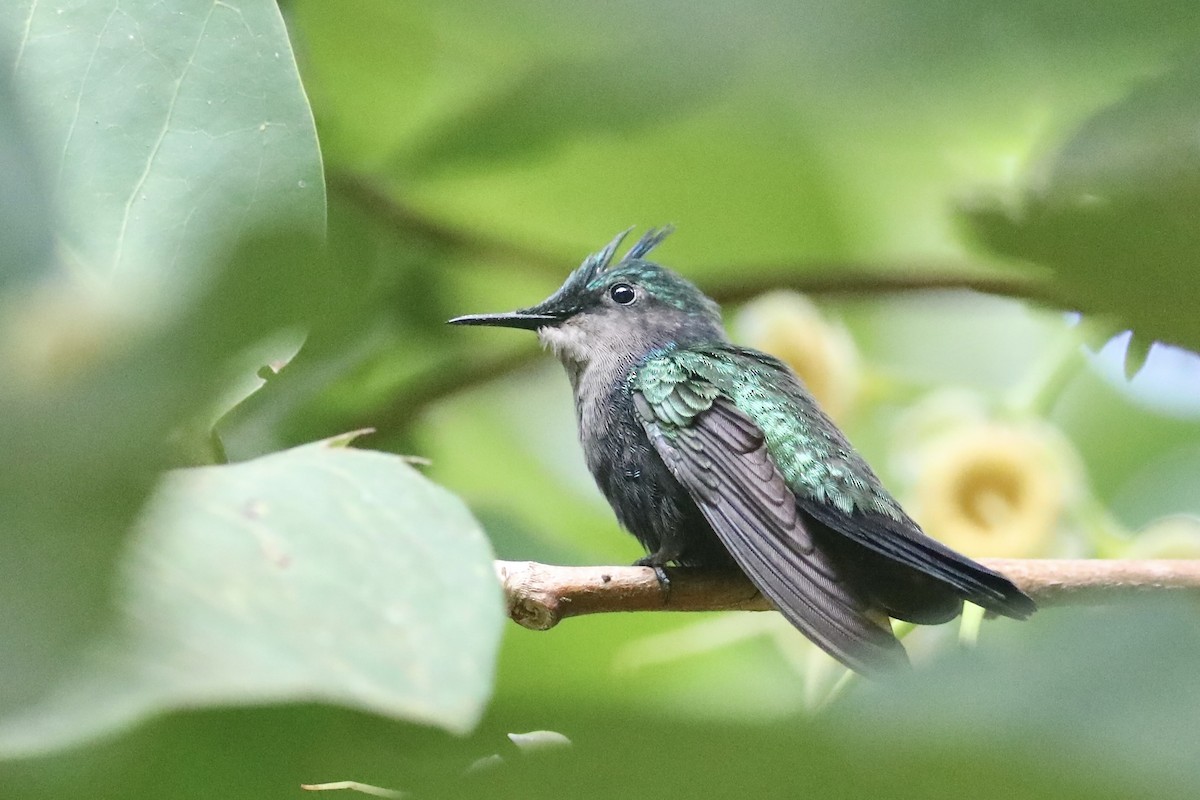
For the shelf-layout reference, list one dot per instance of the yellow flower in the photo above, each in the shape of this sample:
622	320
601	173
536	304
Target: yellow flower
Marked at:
788	326
996	489
57	333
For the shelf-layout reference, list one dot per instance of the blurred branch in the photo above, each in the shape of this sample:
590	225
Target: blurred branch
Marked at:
809	277
815	278
846	278
372	198
403	408
454	377
542	595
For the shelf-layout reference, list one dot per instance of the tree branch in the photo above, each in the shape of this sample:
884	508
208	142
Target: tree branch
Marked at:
407	221
850	279
445	380
819	277
541	595
842	278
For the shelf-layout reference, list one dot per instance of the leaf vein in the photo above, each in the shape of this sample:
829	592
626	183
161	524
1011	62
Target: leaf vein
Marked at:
162	135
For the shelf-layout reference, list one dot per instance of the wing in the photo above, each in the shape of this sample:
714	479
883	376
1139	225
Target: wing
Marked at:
900	565
719	455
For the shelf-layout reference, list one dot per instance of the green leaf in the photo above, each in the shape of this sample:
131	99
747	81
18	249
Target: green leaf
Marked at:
1135	355
91	409
171	193
1074	704
1113	214
26	232
168	128
1035	688
317	574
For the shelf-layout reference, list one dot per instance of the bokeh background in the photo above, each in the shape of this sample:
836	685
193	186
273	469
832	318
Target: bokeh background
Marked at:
233	229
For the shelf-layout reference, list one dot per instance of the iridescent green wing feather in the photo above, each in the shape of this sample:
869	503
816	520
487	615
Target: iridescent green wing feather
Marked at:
831	482
835	486
719	456
815	459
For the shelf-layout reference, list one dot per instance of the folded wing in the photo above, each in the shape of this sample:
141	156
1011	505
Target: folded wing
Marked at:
719	455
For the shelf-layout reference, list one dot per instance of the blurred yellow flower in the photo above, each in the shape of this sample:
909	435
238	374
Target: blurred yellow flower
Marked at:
788	326
56	334
996	489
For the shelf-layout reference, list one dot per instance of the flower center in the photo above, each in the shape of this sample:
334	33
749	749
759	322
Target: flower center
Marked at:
989	495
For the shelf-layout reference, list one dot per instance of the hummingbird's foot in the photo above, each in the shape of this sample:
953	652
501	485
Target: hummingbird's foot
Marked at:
664	581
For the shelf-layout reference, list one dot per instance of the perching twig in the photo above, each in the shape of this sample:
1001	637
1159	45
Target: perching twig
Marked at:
541	595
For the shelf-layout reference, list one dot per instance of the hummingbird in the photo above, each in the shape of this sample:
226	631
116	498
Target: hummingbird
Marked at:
712	454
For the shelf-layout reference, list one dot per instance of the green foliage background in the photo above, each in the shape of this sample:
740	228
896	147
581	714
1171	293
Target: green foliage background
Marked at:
313	612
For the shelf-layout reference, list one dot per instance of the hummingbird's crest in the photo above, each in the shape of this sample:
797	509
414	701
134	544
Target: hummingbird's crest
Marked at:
666	286
598	263
650	240
580	283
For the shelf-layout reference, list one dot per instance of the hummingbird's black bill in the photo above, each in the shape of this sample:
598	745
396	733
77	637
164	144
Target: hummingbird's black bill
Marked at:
513	319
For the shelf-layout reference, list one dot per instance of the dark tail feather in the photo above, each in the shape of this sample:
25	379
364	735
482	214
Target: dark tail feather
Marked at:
914	577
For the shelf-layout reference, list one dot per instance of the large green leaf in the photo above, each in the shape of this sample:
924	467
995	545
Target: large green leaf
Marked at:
168	128
160	178
28	535
26	231
1073	704
91	409
319	573
1108	687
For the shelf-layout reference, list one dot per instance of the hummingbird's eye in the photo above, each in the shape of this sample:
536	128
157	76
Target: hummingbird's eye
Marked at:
622	294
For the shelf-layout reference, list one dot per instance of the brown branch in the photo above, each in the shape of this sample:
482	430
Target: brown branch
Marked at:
541	595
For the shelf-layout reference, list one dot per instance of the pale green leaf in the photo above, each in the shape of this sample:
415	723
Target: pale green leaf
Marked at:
317	574
25	223
167	128
145	146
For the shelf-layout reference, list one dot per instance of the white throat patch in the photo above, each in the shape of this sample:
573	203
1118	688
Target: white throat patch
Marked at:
566	341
